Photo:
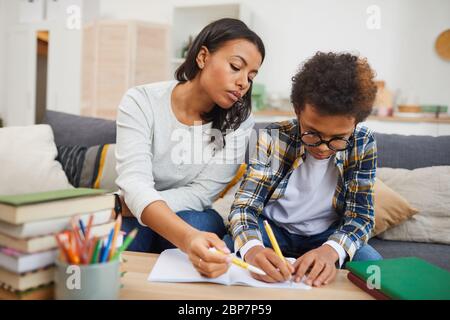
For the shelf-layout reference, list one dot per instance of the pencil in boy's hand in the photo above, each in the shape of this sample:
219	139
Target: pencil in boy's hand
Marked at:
273	241
129	238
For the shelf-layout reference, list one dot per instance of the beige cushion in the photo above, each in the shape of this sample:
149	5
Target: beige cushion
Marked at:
390	208
27	161
428	190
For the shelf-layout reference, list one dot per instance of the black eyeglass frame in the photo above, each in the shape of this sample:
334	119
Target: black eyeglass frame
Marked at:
327	142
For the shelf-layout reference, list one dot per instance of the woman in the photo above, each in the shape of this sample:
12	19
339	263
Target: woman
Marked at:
180	142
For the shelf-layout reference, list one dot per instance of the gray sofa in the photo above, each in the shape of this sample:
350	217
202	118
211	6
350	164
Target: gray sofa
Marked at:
395	151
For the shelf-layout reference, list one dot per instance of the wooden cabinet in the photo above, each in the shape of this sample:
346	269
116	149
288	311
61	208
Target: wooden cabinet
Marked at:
118	55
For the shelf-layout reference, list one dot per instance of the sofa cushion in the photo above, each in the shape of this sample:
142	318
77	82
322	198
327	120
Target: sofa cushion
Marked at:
412	152
391	208
438	254
28	161
73	130
428	190
90	167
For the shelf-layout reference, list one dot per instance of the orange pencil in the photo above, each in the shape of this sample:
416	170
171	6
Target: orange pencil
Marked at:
117	226
62	248
78	242
73	250
66	242
89	226
90	248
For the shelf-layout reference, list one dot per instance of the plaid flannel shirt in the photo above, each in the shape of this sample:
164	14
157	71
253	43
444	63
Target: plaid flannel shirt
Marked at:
279	151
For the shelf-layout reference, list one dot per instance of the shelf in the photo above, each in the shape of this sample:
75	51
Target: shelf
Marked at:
291	113
441	119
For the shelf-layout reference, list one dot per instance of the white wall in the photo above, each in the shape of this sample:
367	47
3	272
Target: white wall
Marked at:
64	69
2	57
401	51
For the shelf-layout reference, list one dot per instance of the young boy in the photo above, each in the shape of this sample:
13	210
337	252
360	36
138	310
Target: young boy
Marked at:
312	178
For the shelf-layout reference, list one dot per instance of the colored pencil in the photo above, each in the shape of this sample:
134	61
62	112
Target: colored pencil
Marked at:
83	230
97	251
74	258
117	226
129	238
62	247
89	226
107	246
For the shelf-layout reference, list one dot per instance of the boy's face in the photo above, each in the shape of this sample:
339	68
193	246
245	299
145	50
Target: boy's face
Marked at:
326	126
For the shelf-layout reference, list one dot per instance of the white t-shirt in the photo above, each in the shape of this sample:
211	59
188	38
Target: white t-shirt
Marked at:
306	207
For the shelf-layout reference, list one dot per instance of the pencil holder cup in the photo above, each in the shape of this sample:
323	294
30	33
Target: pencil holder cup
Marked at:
100	281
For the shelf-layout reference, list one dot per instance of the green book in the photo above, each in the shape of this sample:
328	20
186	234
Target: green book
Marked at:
405	278
18	209
30	198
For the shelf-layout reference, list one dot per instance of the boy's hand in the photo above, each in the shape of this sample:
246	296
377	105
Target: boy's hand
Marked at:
266	259
321	265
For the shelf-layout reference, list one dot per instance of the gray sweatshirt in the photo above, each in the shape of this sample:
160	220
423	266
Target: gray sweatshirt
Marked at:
159	158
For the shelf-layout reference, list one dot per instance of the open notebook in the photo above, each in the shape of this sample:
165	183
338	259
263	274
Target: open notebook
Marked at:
174	266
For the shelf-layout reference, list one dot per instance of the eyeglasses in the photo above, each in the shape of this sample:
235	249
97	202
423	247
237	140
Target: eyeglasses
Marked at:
313	139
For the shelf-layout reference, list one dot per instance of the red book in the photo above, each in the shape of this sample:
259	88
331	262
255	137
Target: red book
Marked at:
360	283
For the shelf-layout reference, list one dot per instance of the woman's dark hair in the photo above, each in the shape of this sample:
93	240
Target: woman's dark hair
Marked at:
335	84
213	36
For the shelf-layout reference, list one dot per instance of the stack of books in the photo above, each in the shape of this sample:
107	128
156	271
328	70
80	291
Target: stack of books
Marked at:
407	278
28	225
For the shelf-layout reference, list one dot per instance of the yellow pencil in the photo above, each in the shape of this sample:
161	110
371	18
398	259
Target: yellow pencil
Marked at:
117	226
241	263
273	240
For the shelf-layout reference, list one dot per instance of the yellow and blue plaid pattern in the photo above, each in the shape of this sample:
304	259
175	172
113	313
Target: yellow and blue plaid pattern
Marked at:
279	151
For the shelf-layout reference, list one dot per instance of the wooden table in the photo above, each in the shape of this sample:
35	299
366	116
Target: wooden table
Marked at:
138	266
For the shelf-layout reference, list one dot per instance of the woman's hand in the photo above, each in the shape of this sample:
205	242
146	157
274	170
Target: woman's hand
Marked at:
277	270
319	264
207	262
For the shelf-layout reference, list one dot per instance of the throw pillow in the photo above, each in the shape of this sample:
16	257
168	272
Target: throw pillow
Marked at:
28	161
428	190
239	174
390	208
225	199
90	167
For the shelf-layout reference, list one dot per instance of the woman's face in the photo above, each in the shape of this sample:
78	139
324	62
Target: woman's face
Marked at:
226	74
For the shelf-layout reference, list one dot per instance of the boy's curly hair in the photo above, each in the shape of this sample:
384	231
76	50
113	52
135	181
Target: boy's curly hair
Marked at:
335	84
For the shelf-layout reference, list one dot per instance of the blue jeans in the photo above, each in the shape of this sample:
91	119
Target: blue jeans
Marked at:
293	245
148	240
